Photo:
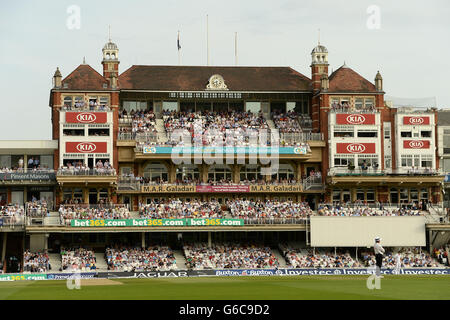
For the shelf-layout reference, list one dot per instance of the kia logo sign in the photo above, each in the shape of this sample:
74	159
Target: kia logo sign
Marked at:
86	117
416	144
356	119
86	147
356	148
416	120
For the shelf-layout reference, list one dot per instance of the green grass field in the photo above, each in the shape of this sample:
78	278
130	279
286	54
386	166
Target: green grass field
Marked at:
237	288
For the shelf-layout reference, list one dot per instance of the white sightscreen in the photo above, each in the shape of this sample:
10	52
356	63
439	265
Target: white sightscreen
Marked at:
361	231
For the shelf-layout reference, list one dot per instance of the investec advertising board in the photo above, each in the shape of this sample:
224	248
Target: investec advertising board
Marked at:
112	223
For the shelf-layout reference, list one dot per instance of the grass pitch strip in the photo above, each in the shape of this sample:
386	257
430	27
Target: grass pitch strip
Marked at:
235	288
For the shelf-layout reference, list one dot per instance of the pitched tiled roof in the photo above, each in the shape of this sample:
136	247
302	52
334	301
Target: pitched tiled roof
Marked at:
345	79
191	78
85	78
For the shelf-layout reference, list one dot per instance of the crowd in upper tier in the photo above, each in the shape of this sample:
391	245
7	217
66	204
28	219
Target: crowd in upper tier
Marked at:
69	212
287	122
361	210
243	209
37	208
80	168
178	209
142	121
81	105
152	258
229	256
210	128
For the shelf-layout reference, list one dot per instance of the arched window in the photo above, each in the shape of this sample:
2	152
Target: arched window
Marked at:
219	172
285	172
156	172
251	172
188	172
68	101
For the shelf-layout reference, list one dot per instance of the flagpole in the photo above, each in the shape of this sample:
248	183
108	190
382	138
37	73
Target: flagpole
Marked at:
207	39
235	49
179	49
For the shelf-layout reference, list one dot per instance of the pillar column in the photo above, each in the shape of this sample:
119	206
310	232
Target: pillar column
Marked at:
143	239
5	238
209	239
85	195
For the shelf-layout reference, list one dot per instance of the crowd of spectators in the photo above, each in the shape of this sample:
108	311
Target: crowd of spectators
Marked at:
408	257
80	168
347	107
82	212
152	258
268	209
441	255
36	262
209	128
82	105
143	121
361	210
287	122
228	256
37	208
308	258
12	214
82	259
196	181
178	209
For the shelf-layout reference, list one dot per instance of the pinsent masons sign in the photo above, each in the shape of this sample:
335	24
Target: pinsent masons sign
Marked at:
86	117
86	147
357	148
31	176
416	144
416	121
355	119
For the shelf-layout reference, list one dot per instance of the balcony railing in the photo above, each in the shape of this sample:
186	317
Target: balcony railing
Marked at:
12	221
343	171
371	171
86	172
313	182
139	137
292	138
86	108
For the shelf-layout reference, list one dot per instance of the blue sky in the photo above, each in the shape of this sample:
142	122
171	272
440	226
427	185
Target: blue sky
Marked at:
411	49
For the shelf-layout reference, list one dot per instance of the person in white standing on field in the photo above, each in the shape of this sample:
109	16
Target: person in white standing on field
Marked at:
379	252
